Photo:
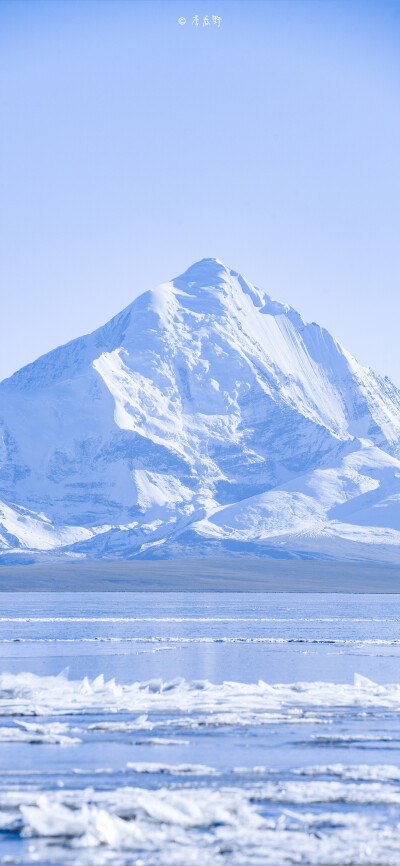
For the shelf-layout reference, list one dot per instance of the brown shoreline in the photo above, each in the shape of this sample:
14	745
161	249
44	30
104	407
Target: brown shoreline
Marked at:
203	575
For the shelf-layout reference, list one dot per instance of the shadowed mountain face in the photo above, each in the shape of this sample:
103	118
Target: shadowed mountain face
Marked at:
205	418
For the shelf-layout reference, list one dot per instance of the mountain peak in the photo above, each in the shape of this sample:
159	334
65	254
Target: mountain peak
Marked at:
208	261
207	269
211	277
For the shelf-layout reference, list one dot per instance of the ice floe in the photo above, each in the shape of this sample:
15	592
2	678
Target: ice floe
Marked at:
186	825
206	702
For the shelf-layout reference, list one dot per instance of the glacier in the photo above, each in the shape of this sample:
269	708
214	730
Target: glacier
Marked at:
204	419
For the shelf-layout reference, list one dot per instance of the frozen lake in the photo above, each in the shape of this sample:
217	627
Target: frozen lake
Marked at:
181	728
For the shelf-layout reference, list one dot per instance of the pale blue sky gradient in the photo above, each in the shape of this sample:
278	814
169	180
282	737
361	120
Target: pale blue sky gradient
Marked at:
132	147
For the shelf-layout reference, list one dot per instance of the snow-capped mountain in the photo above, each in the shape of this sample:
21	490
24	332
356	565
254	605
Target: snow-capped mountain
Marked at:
203	418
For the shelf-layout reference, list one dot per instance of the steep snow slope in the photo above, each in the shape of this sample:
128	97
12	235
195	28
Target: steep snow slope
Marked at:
204	413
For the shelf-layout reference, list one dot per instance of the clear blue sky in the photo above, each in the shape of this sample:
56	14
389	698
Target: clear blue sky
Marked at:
132	146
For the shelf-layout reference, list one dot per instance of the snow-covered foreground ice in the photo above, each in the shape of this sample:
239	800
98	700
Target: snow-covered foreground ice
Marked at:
243	746
184	825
